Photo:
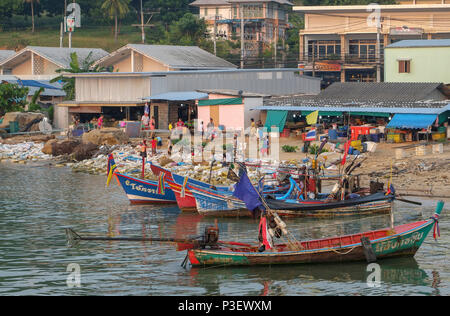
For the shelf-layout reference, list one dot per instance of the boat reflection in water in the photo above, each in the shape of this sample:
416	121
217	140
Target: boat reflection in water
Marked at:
314	279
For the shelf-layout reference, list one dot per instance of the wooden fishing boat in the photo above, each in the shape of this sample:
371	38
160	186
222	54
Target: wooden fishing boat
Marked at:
212	203
401	241
181	185
184	197
141	191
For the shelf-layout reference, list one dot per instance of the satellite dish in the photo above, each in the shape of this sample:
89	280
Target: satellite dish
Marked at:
44	126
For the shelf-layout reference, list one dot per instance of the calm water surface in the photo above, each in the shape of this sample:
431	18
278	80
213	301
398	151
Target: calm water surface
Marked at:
37	202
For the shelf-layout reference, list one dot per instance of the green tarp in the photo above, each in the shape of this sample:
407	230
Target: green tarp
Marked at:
443	117
228	101
330	113
378	114
276	118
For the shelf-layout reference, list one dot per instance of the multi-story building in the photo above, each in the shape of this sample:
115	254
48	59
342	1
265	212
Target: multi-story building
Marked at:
339	43
265	21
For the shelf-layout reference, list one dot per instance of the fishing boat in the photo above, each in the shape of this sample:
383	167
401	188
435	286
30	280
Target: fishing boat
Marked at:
399	241
181	185
141	191
211	202
184	197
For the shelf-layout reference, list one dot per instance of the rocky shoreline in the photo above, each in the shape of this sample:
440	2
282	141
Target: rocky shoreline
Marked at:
426	175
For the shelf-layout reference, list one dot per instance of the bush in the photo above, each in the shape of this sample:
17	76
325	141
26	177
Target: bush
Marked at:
314	148
289	149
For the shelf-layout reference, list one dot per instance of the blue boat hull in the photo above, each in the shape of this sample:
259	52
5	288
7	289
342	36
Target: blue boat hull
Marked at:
141	191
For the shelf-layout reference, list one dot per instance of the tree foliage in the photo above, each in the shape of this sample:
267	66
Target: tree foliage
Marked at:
13	98
86	65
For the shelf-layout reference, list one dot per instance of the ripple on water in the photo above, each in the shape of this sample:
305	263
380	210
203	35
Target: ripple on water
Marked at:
38	202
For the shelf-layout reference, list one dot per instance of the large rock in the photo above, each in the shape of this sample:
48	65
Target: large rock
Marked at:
85	151
57	148
24	119
106	136
48	146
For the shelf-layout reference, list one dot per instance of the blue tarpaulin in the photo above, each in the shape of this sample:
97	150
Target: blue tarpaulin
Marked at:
33	83
412	121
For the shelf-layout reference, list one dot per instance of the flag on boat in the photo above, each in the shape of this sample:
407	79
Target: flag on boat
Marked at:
390	189
161	177
264	234
246	192
110	169
346	148
311	135
183	188
311	118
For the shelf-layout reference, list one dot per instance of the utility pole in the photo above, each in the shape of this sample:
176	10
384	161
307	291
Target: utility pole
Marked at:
142	25
241	12
314	60
378	50
61	34
214	35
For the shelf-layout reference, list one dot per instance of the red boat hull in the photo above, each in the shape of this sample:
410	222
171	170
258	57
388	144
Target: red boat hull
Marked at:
186	203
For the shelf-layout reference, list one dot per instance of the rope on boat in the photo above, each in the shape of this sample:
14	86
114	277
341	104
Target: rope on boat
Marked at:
343	253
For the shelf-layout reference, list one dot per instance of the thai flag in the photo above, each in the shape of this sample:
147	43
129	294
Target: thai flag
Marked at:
311	135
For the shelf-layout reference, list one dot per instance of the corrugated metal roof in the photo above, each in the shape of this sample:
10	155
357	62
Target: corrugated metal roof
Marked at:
209	2
182	57
418	110
6	54
379	91
60	55
224	2
178	96
420	43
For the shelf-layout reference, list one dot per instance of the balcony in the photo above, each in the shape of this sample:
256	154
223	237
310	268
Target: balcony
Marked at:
347	58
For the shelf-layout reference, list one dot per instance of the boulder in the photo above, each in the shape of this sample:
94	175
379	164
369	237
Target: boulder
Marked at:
24	118
48	146
106	136
85	151
57	148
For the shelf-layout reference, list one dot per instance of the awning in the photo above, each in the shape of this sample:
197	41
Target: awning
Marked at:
228	101
178	96
276	118
378	114
324	113
412	121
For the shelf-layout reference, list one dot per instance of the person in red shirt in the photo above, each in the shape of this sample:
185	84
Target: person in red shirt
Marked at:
180	123
154	144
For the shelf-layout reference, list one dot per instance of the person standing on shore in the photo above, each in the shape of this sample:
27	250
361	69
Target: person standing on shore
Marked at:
210	129
143	153
100	122
145	121
154	144
152	123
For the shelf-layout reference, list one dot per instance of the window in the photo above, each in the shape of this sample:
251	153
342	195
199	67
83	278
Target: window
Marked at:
404	66
205	12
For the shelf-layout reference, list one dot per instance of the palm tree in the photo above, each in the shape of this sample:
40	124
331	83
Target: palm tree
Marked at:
116	9
31	2
75	67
